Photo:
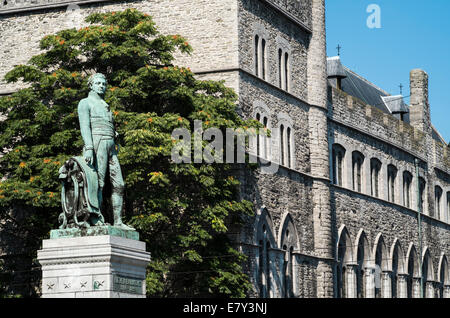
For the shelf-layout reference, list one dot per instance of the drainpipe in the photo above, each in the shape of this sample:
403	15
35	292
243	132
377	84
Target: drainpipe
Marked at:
419	221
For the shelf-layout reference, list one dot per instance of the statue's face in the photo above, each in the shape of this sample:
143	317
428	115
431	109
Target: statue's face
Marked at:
99	85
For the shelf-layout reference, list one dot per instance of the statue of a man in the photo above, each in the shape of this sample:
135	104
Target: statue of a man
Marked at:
100	149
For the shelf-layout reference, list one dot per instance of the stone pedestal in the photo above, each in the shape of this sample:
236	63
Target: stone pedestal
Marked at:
97	266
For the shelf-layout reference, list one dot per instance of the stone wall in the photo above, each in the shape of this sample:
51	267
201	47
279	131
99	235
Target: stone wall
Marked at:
215	49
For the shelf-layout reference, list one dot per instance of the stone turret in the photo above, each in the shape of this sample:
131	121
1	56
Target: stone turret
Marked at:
319	151
420	107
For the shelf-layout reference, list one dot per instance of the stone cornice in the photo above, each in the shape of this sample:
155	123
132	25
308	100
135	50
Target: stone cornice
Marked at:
288	15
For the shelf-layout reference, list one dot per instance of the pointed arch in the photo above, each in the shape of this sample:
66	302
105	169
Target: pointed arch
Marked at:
288	240
398	254
427	265
397	267
412	261
362	253
264	222
361	248
344	248
444	277
380	254
346	287
288	235
413	270
265	240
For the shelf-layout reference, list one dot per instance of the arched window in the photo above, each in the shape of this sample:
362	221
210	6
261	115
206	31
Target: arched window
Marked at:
289	148
392	175
260	53
438	202
447	215
407	180
261	140
428	275
422	189
375	167
256	57
263	58
280	68
289	243
282	145
286	71
357	163
266	241
338	153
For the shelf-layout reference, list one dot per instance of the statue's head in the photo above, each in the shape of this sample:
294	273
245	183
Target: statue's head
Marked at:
97	83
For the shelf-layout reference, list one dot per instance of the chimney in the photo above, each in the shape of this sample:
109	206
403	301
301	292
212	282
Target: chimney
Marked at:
420	107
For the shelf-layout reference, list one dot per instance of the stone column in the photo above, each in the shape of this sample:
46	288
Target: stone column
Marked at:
429	289
319	151
369	279
402	287
446	291
386	286
416	287
351	280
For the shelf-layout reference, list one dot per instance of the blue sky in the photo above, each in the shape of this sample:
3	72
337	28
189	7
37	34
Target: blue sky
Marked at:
413	34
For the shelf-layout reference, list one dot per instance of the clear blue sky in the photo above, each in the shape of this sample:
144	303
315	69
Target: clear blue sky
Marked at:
413	34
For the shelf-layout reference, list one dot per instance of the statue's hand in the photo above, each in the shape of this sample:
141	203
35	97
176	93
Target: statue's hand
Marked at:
89	156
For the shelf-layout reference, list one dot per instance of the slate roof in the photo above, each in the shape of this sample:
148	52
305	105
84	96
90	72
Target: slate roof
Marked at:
357	86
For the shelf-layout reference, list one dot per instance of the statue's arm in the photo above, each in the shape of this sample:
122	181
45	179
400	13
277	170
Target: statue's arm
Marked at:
85	124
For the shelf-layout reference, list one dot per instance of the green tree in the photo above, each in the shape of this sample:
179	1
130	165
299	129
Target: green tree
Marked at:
183	211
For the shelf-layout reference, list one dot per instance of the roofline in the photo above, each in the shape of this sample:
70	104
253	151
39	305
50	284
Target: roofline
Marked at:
365	80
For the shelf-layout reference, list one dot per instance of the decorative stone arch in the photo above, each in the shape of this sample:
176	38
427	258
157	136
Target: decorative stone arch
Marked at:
347	165
446	198
364	270
439	211
263	114
360	170
264	218
397	248
346	265
428	274
380	246
380	256
260	51
287	224
284	70
444	269
345	238
427	263
288	240
393	182
398	270
407	197
413	270
444	277
265	242
338	164
286	143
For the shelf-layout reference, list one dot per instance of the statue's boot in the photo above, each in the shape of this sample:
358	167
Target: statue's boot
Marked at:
117	204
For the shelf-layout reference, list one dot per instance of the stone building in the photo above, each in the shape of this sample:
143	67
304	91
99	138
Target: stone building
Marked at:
359	205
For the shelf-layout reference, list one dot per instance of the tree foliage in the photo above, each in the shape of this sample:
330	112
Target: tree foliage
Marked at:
183	211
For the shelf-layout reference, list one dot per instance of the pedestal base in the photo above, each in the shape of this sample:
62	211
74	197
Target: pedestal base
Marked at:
102	266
